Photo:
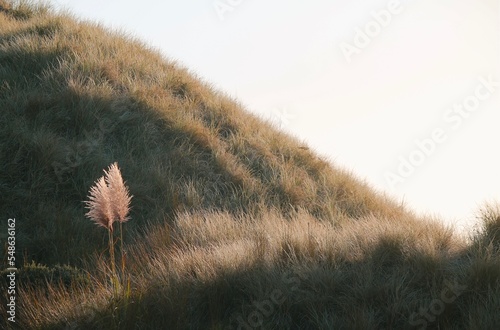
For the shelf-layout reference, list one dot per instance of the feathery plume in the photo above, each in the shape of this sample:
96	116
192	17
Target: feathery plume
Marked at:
119	192
109	199
99	205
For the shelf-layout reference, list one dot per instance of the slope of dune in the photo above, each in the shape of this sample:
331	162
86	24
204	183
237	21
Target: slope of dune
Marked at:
234	224
76	98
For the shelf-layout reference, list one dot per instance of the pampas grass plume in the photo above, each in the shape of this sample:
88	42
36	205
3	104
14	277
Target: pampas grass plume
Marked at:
109	201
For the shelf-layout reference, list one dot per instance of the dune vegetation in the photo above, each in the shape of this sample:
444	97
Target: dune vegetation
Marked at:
233	223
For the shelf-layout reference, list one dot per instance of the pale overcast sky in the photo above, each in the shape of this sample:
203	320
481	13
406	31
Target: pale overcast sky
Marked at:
405	94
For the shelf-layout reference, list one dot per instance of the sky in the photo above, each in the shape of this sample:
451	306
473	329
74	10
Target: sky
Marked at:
404	94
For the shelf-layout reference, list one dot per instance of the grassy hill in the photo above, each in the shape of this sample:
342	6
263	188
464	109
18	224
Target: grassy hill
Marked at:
234	224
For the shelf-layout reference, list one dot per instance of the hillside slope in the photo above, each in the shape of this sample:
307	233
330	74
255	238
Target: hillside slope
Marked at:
234	224
76	98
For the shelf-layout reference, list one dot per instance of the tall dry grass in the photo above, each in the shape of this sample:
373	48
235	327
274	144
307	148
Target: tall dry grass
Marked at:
212	270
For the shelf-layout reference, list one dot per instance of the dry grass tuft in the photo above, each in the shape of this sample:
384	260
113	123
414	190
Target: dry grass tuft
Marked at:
4	6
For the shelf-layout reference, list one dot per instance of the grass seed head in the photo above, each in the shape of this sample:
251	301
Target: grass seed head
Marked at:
109	199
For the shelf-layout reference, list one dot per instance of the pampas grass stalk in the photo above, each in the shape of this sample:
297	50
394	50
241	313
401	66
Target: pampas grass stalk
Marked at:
109	201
